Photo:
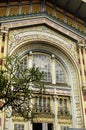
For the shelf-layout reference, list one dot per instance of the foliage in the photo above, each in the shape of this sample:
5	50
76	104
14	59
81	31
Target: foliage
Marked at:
16	83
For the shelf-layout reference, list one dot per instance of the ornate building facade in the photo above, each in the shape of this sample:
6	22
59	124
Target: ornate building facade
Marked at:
50	35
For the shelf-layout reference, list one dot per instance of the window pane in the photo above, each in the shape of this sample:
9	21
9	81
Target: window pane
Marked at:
24	62
18	127
42	62
60	74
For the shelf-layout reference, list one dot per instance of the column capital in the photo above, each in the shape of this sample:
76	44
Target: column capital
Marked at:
4	30
82	44
55	97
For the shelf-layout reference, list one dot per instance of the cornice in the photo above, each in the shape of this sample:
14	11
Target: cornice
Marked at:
19	21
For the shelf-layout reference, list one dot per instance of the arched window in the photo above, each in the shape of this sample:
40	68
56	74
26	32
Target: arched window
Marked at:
43	62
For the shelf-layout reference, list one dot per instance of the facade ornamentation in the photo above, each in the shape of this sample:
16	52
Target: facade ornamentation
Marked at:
43	37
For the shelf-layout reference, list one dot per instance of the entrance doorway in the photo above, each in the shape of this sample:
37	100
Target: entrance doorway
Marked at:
50	126
39	126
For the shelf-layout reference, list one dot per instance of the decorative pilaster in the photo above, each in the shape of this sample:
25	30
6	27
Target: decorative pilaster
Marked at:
82	53
3	44
81	63
84	58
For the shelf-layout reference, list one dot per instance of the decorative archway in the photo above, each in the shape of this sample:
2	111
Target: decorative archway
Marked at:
52	44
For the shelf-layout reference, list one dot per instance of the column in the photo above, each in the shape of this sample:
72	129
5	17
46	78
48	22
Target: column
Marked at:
53	76
6	43
44	126
0	50
30	60
8	119
53	70
55	112
29	125
30	65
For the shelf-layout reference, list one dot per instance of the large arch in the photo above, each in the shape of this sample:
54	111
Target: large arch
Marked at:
53	45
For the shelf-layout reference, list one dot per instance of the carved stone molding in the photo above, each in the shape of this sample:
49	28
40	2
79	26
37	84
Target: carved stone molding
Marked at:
43	119
65	119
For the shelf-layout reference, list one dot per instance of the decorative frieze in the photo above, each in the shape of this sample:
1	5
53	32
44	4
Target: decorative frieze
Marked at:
65	120
39	33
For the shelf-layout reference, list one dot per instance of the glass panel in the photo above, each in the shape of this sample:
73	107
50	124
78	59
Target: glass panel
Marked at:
60	74
40	104
25	9
18	127
65	106
24	62
35	104
25	1
61	106
70	21
44	104
60	13
23	65
80	26
48	104
42	62
49	8
36	8
13	3
13	10
3	11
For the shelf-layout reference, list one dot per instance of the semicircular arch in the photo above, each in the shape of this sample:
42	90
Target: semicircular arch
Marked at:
50	46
